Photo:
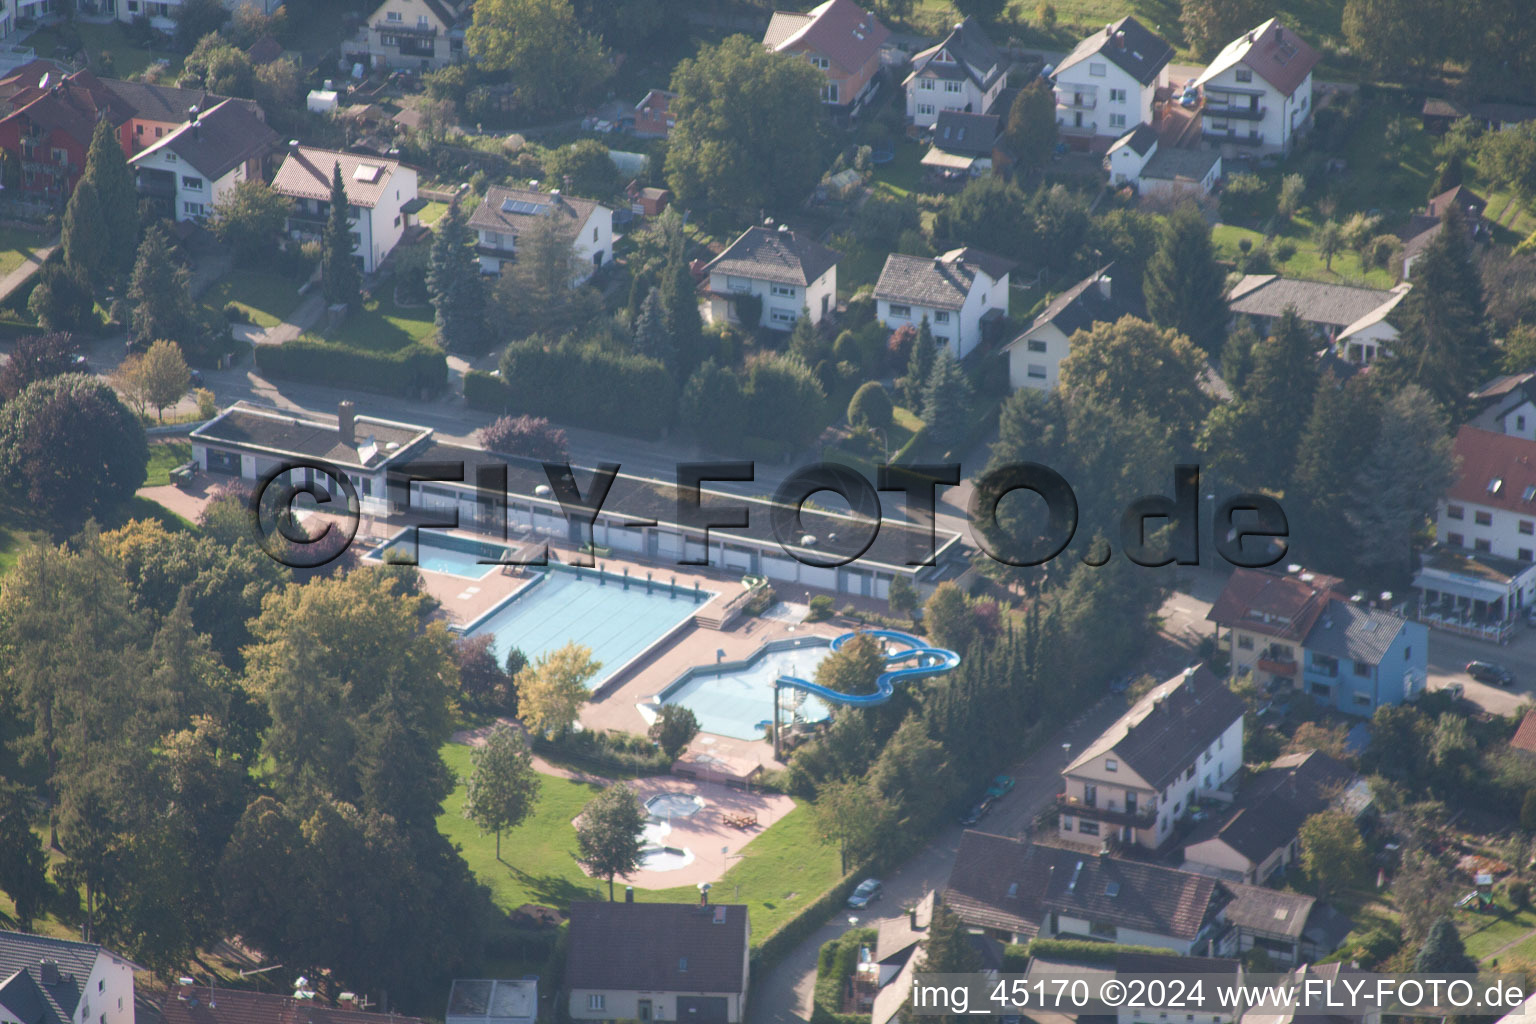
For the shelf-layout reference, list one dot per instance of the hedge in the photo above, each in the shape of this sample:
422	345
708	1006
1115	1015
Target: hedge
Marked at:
1087	951
835	964
418	368
579	385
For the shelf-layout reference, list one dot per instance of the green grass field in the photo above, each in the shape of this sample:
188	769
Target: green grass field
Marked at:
268	299
165	456
1484	933
126	59
432	213
781	871
16	246
382	326
1306	263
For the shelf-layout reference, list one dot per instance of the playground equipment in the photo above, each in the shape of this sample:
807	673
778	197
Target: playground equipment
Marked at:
925	661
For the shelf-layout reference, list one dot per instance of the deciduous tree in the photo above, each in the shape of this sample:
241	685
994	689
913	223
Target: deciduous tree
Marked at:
156	379
609	834
674	728
35	357
1332	851
503	787
552	689
249	219
552	59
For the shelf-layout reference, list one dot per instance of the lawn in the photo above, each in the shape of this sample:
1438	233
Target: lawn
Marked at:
432	212
111	38
16	246
1306	263
1484	933
903	176
382	326
268	299
781	871
165	456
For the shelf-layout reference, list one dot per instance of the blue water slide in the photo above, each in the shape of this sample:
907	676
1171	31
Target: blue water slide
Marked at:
925	661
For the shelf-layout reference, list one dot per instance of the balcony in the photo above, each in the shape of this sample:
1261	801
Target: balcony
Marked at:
1086	128
1225	139
1278	667
1076	101
1139	818
400	28
1236	113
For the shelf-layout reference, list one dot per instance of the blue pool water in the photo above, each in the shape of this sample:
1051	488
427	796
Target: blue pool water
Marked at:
442	552
593	609
730	699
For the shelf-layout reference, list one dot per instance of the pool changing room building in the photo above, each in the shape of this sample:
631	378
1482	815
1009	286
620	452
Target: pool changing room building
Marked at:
638	520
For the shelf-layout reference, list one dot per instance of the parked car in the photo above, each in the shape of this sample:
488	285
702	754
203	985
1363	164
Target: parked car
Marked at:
1190	97
1488	672
976	813
196	378
79	363
1001	786
868	892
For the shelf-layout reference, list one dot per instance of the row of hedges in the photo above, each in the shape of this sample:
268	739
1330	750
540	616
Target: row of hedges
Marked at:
417	369
583	386
605	753
835	964
1086	950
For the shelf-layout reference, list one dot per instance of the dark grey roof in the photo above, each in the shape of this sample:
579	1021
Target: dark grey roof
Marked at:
975	56
782	256
938	282
1337	305
1140	139
220	140
1256	909
658	947
1171	164
513	210
971	134
1346	630
24	994
1081	306
1127	44
168	102
1165	732
258	429
999	882
1271	808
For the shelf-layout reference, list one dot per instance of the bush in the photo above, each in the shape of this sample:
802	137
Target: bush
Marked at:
207	407
581	385
821	608
1085	951
234	314
605	752
1519	893
1284	250
529	436
418	368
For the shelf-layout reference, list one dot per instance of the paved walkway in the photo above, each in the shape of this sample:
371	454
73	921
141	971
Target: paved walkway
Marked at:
29	266
305	316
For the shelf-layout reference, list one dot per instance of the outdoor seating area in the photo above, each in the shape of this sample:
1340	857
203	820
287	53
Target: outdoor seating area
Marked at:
741	821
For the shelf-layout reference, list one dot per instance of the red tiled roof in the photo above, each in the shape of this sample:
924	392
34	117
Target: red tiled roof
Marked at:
235	1006
1280	56
306	174
72	105
1525	736
842	31
1275	604
1496	471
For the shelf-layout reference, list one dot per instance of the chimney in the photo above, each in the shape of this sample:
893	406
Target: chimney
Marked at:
1105	285
346	422
347	1001
912	918
192	112
197	129
629	894
1120	39
703	894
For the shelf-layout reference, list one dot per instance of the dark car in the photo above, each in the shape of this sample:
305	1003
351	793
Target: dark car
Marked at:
79	363
868	892
1488	672
196	378
976	813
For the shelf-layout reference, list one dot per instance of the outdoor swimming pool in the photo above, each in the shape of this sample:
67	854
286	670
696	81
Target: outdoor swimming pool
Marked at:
618	619
441	552
732	698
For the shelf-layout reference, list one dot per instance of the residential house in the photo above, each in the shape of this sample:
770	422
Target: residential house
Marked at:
1297	631
201	1004
1016	890
1315	978
1423	227
658	961
505	213
1523	742
962	294
48	130
57	981
377	192
1106	85
1179	743
653	115
967	144
897	956
1272	920
1258	91
492	1001
1360	323
1137	160
963	72
1481	575
1507	405
1035	356
841	39
787	272
1256	837
161	14
1439	114
251	442
1047	971
646	201
417	34
190	170
154	111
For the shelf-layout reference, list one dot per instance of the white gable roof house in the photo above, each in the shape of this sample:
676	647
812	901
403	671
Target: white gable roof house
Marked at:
1358	322
1138	160
790	273
1258	91
58	981
959	293
964	72
198	164
506	213
377	192
1106	85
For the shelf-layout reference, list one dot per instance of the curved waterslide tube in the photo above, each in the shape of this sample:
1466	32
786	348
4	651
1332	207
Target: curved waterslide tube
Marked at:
928	661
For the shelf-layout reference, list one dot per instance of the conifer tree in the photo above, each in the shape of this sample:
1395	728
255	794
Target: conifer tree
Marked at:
453	280
947	401
652	337
84	252
339	274
919	365
107	169
1183	285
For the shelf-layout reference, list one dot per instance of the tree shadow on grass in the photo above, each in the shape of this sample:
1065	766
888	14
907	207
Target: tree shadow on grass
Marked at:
553	890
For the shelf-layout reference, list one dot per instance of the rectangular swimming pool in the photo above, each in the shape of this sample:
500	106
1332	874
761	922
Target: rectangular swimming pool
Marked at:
617	617
441	552
735	697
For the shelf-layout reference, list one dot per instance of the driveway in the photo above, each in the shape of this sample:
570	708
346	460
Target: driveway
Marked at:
1449	653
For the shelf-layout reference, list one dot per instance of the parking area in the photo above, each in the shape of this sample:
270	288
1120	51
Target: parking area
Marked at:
1449	654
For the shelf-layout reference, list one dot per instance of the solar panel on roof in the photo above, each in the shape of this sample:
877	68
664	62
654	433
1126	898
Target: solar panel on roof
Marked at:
522	206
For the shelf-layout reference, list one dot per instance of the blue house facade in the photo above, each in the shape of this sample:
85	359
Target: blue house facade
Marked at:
1357	659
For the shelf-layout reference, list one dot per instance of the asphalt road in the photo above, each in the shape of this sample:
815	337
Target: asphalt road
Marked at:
1449	654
